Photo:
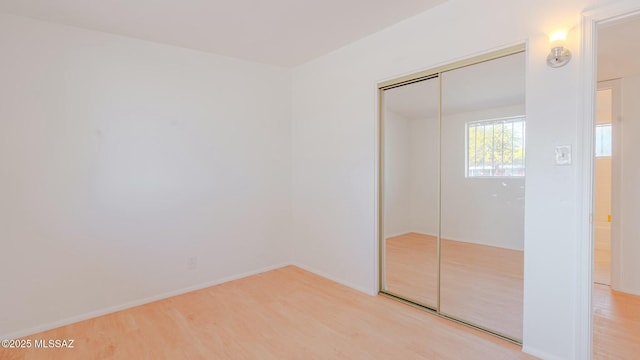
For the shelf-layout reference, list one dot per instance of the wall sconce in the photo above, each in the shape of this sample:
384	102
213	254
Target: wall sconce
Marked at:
559	55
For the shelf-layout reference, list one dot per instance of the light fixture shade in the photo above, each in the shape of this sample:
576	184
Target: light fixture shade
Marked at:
558	57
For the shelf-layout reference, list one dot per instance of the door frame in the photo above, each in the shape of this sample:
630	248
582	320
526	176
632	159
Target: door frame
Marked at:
586	127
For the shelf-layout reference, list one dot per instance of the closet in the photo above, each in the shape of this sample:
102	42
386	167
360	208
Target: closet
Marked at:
452	182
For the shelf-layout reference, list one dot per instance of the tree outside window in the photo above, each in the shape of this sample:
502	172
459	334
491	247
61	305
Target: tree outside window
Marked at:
496	148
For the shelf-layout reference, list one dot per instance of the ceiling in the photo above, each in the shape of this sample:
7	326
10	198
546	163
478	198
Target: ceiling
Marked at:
619	49
490	84
279	32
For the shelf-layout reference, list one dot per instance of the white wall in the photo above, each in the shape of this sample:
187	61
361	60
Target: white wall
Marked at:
487	211
120	159
397	175
334	149
423	185
411	175
628	242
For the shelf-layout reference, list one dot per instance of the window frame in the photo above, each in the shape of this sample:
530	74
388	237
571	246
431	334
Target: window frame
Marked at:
512	119
596	142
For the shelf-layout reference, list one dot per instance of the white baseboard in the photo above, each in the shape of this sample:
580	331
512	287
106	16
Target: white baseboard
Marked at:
630	291
131	304
540	354
339	281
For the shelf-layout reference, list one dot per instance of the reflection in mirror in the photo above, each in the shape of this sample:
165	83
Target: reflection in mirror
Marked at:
410	191
482	194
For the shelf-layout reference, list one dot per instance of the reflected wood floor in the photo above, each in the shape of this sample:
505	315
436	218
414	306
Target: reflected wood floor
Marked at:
411	267
286	313
616	324
483	285
480	284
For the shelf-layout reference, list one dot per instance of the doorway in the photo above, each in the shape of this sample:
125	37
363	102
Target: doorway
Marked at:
602	183
616	206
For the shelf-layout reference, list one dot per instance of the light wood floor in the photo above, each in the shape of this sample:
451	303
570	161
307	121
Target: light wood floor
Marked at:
282	314
474	274
479	284
616	324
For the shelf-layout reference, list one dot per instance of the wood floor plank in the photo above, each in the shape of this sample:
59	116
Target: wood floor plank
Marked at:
286	313
616	324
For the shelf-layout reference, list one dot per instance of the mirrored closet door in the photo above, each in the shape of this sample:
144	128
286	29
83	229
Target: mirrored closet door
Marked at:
482	227
410	129
452	184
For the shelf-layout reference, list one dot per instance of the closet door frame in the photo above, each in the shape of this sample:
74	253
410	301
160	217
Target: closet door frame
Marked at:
406	80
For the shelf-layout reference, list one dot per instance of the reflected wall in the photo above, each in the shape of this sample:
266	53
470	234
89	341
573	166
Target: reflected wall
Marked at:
482	208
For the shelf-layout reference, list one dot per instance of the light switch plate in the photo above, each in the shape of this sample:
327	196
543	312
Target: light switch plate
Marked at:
563	155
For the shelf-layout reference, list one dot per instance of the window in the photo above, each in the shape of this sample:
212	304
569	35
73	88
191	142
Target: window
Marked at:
495	148
603	140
